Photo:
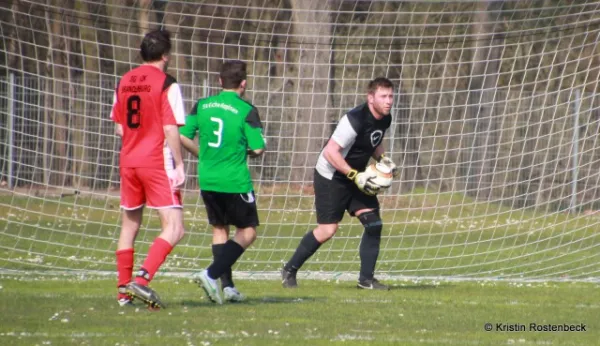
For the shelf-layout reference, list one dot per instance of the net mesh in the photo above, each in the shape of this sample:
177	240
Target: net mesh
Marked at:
495	125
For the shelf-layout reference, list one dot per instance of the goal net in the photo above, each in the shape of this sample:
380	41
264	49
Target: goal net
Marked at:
495	125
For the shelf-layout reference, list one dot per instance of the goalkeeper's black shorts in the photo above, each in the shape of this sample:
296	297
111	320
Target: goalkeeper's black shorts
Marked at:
333	197
237	209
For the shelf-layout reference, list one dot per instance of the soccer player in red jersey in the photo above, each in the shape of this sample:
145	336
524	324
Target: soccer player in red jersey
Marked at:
148	110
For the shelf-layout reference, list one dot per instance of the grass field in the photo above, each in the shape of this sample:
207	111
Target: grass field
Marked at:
441	235
425	234
38	310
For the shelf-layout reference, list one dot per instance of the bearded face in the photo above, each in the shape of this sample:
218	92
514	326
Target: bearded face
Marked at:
381	101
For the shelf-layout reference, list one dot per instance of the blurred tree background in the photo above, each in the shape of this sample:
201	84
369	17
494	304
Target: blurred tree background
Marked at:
487	91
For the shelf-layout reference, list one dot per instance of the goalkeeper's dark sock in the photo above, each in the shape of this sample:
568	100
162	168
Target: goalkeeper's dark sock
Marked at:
308	246
230	253
227	277
124	266
159	250
370	243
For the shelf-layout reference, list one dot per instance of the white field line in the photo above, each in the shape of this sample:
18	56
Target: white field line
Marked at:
313	275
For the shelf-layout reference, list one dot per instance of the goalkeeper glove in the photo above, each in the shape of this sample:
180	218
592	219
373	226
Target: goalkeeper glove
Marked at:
364	182
388	162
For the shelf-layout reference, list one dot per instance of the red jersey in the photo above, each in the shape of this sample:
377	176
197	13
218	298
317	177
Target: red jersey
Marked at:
146	99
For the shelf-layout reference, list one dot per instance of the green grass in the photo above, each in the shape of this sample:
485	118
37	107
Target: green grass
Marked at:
39	310
425	234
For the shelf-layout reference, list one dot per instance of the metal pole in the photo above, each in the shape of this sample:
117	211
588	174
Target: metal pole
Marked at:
11	133
575	160
205	88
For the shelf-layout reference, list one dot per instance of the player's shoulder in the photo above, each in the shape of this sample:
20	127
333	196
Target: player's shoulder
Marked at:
207	99
127	75
127	78
243	100
360	111
169	80
155	75
358	115
388	120
198	104
247	105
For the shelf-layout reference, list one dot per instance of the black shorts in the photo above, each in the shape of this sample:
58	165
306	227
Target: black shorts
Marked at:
238	209
333	197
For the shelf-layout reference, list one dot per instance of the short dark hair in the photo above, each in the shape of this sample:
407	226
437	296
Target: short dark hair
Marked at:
379	82
233	72
155	44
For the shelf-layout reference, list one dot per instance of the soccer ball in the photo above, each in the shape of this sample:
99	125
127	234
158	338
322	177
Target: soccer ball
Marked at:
384	174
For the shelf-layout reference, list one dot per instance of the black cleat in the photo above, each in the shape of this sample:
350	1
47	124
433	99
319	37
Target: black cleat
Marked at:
145	294
372	284
288	279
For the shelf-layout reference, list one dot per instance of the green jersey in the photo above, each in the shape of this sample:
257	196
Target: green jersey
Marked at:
227	127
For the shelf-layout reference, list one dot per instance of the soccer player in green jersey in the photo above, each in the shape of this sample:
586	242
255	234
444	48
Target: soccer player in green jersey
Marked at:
229	131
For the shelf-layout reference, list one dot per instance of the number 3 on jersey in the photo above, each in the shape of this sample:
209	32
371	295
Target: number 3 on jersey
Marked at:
218	132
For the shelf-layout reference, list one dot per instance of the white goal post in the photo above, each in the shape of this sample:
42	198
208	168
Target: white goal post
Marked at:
495	125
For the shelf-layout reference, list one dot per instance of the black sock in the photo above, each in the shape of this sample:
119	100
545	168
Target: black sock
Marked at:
230	253
227	277
308	246
369	245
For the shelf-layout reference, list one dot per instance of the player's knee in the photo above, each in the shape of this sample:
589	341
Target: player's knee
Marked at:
372	223
174	231
173	225
131	220
325	232
221	231
252	235
249	233
245	236
178	231
129	230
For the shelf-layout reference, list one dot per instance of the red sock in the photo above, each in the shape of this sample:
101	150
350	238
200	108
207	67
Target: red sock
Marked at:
124	268
156	256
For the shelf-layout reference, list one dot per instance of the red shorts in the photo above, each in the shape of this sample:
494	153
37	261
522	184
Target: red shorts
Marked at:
147	186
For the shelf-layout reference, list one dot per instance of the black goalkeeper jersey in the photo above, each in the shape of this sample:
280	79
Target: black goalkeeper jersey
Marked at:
358	133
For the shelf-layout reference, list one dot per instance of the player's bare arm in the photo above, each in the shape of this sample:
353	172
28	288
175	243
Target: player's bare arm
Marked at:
380	150
119	130
255	152
115	116
172	137
189	145
333	154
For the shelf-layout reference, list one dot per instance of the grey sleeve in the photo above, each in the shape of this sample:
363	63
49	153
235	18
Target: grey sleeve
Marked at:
344	133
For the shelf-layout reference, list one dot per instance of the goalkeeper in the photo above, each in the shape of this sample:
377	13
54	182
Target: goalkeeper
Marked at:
229	130
341	184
